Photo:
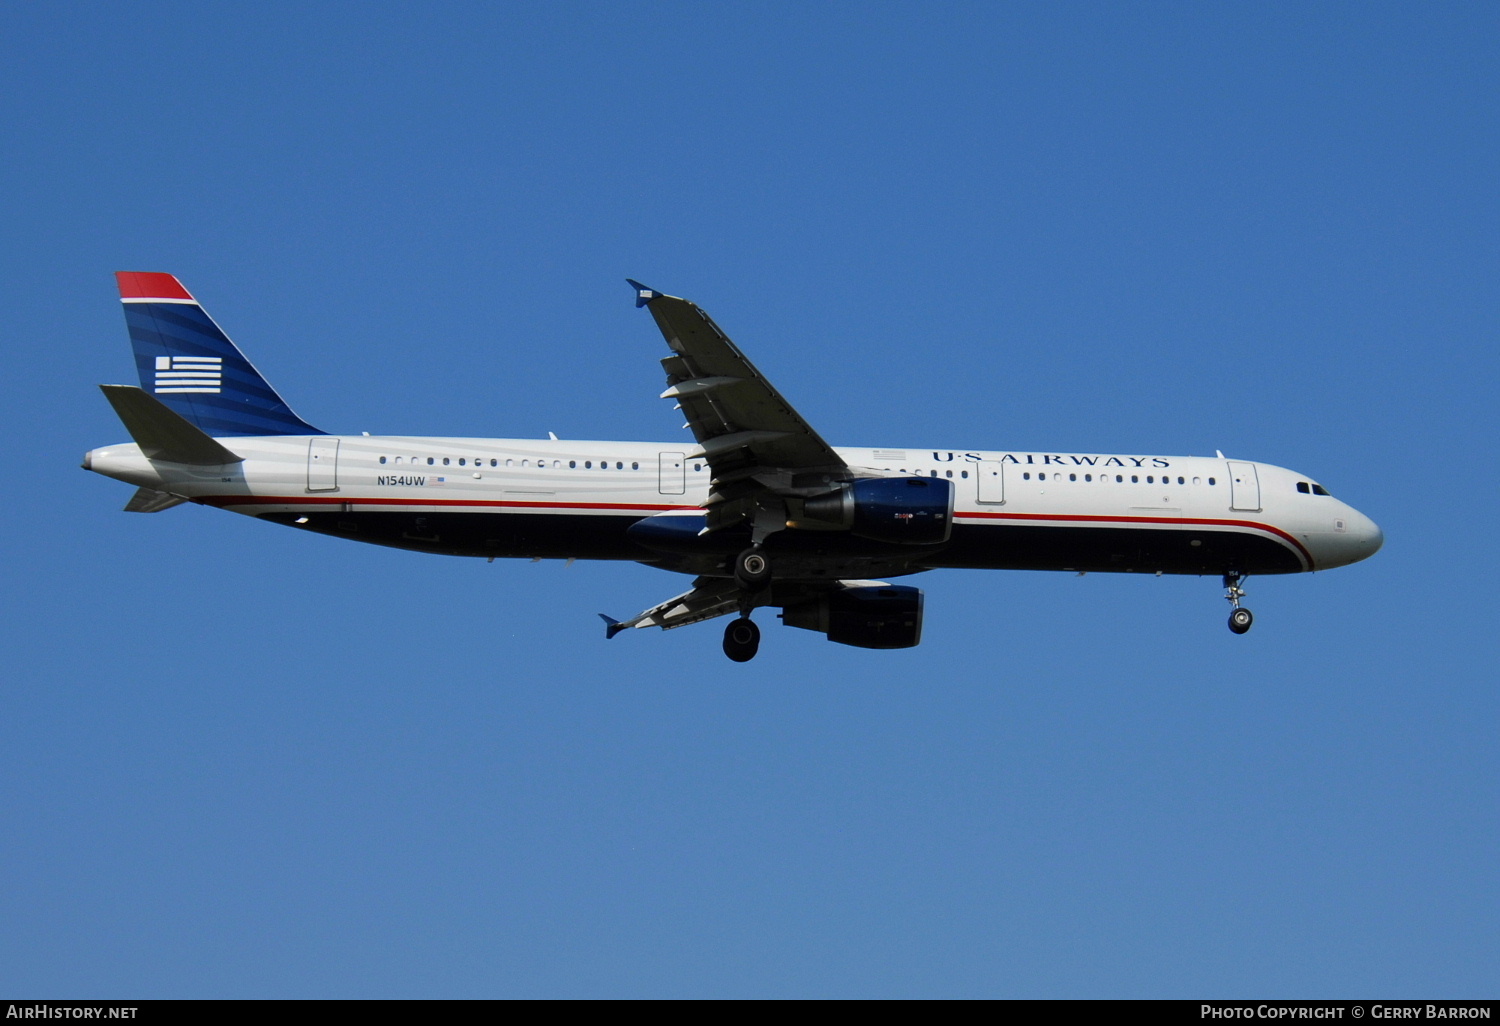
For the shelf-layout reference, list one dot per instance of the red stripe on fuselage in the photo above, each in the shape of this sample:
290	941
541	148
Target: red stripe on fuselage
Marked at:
330	500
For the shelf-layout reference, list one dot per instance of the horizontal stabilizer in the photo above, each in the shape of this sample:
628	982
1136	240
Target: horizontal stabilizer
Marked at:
149	500
162	434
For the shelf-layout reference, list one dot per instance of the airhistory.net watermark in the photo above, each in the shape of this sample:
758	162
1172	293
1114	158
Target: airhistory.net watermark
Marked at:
39	1010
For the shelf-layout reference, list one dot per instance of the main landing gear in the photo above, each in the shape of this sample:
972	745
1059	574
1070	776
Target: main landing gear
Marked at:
752	570
741	639
1240	618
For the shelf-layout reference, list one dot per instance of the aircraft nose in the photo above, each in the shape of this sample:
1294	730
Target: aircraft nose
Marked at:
1370	536
1353	537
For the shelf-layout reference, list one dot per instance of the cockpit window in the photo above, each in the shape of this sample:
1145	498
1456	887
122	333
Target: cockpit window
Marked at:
1304	487
1319	490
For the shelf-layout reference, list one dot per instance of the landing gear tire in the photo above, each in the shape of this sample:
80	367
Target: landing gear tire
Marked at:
741	640
1240	620
752	570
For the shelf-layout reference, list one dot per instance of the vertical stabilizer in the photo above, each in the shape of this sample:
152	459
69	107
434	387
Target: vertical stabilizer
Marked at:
189	364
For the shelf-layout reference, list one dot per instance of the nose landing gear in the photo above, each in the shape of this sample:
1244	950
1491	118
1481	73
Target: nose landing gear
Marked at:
741	639
1240	618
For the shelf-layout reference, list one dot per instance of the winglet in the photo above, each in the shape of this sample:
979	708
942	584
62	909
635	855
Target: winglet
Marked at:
611	625
643	295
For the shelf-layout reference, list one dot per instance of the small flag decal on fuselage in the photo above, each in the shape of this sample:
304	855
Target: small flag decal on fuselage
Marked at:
189	373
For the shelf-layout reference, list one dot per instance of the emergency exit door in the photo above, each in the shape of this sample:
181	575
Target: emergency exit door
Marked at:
322	464
671	473
991	482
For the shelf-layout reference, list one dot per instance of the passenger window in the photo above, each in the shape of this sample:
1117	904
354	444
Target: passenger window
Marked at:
635	466
1135	479
445	461
429	461
963	473
1197	480
460	461
1212	481
1072	477
1182	480
572	464
619	465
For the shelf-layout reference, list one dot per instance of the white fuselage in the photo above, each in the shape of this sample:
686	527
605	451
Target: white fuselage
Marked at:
408	481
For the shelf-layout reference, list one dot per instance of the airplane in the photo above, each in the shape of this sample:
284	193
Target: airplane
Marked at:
761	510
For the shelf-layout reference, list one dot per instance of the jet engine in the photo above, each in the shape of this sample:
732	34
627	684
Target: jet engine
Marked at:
906	510
865	616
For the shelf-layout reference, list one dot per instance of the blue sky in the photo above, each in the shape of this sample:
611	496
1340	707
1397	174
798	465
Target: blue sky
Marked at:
245	762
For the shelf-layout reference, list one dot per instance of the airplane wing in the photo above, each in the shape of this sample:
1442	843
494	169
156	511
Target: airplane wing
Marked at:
743	426
710	597
720	596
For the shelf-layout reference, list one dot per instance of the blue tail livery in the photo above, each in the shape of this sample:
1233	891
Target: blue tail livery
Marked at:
188	363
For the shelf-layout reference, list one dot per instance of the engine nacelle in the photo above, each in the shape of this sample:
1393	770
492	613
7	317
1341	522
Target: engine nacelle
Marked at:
906	510
868	616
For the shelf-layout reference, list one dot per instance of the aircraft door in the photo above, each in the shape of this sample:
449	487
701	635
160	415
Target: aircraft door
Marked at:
991	482
1244	488
671	473
322	464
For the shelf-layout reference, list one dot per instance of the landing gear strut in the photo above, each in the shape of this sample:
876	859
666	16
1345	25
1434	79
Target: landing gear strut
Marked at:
752	570
1240	618
741	639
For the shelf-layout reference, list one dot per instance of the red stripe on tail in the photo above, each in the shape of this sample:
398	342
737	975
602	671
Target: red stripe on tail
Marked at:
150	285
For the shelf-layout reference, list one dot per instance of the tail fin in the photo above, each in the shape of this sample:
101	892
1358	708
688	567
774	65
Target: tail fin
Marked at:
188	363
